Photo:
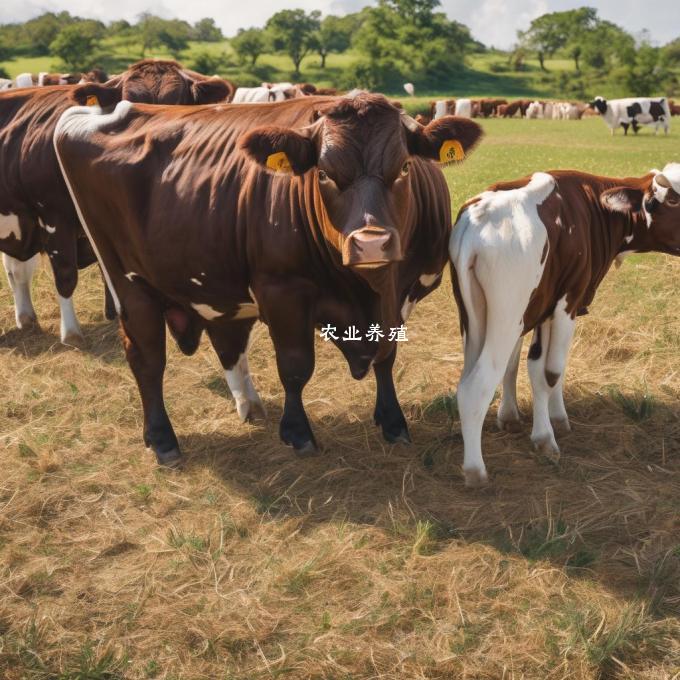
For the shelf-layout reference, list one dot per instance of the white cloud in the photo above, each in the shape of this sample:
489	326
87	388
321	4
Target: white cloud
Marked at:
494	22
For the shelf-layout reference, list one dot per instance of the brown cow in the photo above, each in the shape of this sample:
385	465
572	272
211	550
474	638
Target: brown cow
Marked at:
351	229
487	107
528	256
673	108
38	215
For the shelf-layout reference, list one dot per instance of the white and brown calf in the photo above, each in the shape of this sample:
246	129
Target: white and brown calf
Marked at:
528	256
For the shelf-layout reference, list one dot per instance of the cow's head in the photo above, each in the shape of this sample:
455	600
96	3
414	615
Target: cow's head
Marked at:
599	104
658	199
365	159
156	82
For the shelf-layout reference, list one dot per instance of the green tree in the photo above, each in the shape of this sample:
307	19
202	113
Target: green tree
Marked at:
546	34
39	33
249	43
207	31
175	36
75	45
293	32
208	63
334	35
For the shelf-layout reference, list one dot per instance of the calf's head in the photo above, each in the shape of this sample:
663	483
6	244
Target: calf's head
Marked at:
365	158
658	200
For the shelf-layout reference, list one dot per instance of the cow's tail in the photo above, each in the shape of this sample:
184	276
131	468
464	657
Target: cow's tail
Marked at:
467	290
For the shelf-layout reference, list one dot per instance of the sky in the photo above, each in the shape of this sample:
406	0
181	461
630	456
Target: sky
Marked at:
494	22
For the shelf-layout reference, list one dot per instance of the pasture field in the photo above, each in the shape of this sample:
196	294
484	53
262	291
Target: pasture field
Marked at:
370	560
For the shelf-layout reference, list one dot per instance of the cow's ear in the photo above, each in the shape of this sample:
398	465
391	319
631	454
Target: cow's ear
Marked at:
281	149
98	94
622	199
448	139
212	91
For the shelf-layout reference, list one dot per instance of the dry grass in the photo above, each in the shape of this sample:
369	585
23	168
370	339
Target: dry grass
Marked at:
369	561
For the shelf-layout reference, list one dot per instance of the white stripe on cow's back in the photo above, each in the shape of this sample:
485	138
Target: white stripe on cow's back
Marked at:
79	122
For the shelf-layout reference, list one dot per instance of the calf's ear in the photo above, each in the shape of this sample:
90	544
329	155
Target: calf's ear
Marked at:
98	94
280	149
447	140
212	91
622	199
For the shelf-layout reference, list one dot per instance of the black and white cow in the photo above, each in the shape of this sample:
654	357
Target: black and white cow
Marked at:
634	111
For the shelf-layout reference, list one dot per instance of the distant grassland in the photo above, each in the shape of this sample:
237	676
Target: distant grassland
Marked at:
370	560
476	79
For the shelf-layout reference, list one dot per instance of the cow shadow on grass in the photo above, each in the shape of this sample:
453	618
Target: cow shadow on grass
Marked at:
101	341
607	511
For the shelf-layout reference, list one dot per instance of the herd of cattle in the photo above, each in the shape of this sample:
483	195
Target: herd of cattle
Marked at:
615	112
309	211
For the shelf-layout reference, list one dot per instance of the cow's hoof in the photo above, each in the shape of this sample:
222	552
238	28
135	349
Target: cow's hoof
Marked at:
307	450
547	449
561	425
514	425
475	478
27	321
74	340
251	410
401	437
171	459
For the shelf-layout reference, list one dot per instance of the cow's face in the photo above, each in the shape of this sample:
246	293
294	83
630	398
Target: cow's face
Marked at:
599	104
155	82
361	152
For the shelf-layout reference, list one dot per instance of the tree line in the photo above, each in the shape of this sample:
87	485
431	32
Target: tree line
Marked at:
391	42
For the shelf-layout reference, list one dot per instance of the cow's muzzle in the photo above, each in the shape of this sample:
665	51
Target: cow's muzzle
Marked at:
371	247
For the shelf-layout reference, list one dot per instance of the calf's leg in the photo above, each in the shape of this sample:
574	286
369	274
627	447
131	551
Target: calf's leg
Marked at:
143	327
547	362
508	411
20	274
230	340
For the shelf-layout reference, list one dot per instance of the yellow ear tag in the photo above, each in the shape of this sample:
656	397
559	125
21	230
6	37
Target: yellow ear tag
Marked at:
279	162
451	150
92	100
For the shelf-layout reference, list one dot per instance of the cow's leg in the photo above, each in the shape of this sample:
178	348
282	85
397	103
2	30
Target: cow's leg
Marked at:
477	387
557	410
69	328
545	372
109	305
625	128
388	414
20	275
508	411
64	261
230	340
288	312
143	326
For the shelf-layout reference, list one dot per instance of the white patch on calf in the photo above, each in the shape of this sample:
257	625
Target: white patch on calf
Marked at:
206	311
196	281
426	280
131	275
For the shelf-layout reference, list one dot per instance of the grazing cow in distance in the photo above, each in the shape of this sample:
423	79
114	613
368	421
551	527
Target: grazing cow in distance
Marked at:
554	236
674	108
272	92
634	111
331	214
38	215
488	107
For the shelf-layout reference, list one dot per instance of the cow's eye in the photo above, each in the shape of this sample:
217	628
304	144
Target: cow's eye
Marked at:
405	169
673	202
323	177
